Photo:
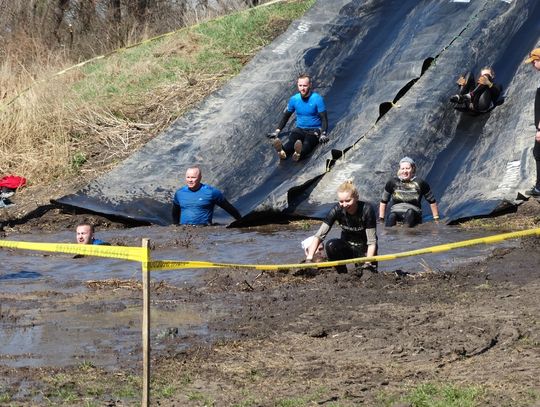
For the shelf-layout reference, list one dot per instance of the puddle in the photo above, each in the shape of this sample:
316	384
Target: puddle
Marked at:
44	322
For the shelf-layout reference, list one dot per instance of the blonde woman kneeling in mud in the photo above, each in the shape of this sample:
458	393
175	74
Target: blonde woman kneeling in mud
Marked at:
358	230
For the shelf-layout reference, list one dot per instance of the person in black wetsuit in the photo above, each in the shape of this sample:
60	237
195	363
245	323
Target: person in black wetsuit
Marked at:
406	192
311	122
358	230
479	96
534	59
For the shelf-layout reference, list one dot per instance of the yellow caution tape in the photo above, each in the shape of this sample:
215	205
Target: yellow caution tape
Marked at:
172	265
140	254
115	252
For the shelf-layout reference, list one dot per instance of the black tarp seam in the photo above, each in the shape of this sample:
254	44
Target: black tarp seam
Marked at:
331	162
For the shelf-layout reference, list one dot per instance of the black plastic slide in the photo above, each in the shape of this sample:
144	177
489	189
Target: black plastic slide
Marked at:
386	69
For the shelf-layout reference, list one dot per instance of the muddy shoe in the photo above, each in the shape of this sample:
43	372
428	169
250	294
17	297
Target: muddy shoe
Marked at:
279	148
361	268
341	269
6	193
533	192
297	150
6	203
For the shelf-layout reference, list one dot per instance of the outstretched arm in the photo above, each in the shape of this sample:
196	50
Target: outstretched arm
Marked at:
382	210
434	210
230	209
284	119
371	251
324	122
312	248
176	214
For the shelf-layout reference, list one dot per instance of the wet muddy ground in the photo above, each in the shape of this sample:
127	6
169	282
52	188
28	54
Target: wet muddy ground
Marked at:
70	328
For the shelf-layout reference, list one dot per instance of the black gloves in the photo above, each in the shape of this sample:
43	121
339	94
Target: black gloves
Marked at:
323	139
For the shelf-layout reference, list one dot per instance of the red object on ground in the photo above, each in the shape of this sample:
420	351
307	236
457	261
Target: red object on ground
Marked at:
12	181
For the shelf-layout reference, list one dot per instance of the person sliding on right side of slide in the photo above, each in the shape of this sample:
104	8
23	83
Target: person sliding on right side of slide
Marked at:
477	97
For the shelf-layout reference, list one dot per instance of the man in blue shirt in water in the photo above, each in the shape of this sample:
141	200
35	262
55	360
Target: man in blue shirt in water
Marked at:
193	204
311	122
85	235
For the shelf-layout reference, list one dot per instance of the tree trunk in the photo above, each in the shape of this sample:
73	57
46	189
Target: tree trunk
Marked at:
116	11
59	12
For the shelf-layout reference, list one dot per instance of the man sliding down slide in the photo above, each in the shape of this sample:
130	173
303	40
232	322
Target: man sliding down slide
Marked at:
311	122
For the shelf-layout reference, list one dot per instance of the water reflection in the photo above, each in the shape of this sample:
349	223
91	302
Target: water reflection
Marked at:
66	334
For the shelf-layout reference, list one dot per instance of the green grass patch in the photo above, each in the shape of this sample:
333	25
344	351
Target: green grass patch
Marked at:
77	162
436	395
129	388
221	46
97	114
201	398
306	400
166	391
5	397
65	393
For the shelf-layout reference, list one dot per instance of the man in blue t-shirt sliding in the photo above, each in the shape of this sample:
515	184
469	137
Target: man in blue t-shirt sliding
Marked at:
193	204
311	122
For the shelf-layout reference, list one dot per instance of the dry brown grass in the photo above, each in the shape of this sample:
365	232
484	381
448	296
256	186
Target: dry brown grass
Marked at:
33	140
49	132
55	134
527	217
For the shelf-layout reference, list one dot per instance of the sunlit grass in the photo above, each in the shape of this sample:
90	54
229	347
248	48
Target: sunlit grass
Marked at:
86	121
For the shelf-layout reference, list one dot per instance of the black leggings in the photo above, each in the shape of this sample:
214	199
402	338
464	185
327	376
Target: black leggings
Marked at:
340	249
306	136
481	96
536	154
411	218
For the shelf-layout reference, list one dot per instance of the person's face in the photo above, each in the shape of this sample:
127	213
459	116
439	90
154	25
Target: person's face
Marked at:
536	64
487	72
84	234
193	178
405	171
304	86
348	202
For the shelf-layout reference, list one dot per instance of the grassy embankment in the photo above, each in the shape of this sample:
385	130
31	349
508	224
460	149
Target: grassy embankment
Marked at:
83	122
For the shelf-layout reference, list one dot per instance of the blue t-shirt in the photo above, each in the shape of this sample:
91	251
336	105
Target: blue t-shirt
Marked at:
197	207
100	242
307	111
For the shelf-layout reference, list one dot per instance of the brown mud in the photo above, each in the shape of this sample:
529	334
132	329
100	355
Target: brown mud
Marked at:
307	337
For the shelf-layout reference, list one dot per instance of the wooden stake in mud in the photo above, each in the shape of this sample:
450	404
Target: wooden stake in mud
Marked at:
146	323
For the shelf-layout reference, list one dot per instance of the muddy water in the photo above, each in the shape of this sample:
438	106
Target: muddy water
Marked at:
48	316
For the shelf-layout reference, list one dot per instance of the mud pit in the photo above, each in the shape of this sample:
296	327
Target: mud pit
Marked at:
248	338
